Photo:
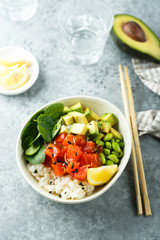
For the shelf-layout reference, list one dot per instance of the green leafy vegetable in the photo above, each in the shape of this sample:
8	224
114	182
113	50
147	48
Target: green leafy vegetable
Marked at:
27	142
35	116
38	157
29	130
42	127
54	110
56	128
36	138
45	126
45	133
33	148
45	121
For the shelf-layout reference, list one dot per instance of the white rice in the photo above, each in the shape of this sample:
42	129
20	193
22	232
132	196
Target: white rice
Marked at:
64	186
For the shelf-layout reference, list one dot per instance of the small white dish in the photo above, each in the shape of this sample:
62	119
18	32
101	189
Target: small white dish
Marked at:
14	54
99	106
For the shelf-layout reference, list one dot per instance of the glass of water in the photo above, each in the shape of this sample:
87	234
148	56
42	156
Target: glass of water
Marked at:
18	10
85	26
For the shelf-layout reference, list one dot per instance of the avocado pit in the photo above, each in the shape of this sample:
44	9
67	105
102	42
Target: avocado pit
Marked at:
134	31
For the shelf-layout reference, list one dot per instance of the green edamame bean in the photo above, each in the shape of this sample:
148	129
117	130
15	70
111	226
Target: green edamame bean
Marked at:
109	162
118	155
99	142
118	141
121	154
116	147
106	151
113	158
102	157
121	144
115	153
108	145
108	137
112	140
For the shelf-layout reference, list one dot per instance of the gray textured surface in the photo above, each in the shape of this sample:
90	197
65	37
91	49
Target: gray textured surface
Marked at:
26	215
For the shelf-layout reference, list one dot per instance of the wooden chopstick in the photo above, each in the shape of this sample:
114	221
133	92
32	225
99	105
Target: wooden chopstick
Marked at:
137	146
133	154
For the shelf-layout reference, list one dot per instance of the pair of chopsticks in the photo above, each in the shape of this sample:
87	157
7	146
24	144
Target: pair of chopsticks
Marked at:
136	151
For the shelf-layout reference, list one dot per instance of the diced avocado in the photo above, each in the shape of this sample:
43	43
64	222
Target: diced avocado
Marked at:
99	124
116	134
63	129
87	111
67	119
91	115
66	109
77	107
78	128
99	137
93	128
79	117
110	117
106	125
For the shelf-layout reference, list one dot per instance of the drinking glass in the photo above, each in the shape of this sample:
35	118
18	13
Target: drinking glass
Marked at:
85	27
18	10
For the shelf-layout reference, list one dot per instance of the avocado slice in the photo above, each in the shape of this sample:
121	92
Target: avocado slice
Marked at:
77	107
116	134
109	117
93	128
67	119
63	129
79	117
87	111
90	115
66	109
78	128
135	38
106	125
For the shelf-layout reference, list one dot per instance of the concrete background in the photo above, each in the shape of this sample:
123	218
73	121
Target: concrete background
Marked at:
24	214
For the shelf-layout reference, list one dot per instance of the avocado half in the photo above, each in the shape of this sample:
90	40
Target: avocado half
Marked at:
135	38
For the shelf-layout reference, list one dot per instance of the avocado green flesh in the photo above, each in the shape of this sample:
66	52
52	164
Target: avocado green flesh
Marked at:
150	47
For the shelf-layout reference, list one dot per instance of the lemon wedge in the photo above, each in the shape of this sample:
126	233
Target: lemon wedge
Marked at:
7	70
101	175
6	63
15	78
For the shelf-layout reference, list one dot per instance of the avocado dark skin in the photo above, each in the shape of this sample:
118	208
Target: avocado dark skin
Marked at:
130	51
131	35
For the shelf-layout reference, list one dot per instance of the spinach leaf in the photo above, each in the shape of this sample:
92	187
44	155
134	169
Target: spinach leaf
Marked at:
27	142
45	121
38	157
36	138
35	116
56	128
29	130
33	148
54	110
45	133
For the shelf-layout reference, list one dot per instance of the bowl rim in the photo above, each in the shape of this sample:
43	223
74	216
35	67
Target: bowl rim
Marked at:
87	198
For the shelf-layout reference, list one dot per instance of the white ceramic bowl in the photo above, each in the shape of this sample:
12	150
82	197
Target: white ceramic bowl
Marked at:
99	106
15	53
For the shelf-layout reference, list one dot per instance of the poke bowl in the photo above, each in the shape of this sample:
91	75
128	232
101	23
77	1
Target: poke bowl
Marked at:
74	149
